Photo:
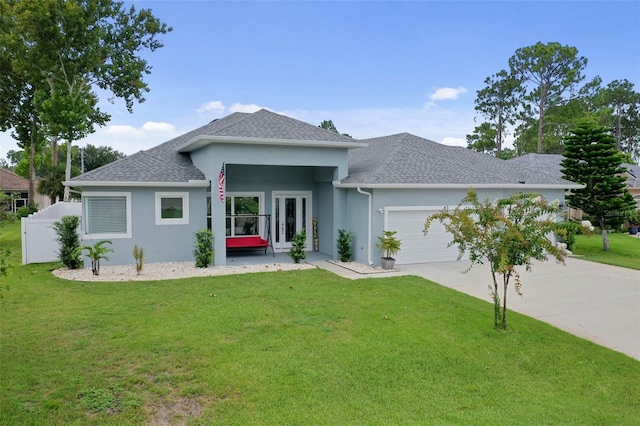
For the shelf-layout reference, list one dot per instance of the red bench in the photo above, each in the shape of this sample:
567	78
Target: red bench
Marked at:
254	242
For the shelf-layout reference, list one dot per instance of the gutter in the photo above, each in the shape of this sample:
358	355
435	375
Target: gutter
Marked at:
106	183
368	194
339	184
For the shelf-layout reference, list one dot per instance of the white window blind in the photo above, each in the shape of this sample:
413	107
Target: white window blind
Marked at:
106	215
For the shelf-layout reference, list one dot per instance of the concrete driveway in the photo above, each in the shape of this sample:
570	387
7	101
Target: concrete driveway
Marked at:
597	302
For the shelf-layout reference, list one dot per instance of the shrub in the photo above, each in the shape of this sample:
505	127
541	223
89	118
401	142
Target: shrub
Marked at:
344	245
298	244
96	252
25	211
203	248
571	228
138	255
67	235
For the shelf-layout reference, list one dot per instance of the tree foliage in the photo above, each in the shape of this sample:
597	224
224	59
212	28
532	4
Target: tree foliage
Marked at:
550	74
507	233
497	103
591	159
542	97
328	125
98	156
62	51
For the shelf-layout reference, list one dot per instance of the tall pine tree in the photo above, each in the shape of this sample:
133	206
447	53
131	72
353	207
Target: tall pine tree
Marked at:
591	158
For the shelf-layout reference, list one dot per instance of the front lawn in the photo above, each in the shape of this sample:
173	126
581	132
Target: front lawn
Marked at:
301	347
624	250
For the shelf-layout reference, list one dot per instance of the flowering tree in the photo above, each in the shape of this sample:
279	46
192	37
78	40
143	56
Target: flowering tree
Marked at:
507	233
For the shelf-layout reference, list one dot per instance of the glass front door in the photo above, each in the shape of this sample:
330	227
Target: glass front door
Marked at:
292	214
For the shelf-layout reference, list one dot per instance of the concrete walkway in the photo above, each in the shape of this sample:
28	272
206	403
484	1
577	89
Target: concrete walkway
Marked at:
597	302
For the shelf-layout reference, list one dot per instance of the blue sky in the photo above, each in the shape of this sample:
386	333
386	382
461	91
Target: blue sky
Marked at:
374	68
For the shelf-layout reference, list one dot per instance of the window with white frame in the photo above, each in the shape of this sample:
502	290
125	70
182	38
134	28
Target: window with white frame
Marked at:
242	210
107	214
172	208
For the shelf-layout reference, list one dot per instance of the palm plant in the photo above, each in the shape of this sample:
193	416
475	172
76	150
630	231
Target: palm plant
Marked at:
96	252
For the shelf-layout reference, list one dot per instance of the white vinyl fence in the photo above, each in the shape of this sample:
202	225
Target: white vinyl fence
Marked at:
39	243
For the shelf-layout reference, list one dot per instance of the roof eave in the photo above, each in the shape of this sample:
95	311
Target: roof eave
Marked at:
339	184
110	183
203	140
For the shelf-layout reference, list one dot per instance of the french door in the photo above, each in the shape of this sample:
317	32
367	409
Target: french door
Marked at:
291	214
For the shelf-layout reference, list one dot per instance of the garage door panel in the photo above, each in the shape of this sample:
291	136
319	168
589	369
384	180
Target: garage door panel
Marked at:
416	247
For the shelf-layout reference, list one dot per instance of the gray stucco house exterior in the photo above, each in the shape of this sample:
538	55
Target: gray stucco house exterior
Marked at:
282	175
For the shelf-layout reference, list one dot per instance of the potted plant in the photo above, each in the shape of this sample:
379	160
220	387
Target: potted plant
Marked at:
634	222
388	245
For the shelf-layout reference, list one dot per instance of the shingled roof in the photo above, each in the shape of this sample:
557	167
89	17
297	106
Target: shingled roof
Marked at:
10	181
411	160
550	164
165	164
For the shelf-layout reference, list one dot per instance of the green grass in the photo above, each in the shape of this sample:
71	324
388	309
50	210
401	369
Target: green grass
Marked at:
624	250
301	347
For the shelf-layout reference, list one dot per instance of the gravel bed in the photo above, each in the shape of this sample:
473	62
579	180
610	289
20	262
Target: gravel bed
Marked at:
170	270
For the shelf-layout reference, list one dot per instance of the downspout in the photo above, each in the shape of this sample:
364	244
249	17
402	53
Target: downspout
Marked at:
368	194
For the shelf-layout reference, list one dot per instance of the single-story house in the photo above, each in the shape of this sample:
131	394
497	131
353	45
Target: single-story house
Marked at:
266	175
550	164
18	187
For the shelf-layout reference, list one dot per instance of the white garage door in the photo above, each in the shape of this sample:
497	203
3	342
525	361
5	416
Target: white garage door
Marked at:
416	247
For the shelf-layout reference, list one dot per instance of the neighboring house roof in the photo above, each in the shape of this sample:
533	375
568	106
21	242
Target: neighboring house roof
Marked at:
10	181
632	169
550	164
405	160
165	164
544	163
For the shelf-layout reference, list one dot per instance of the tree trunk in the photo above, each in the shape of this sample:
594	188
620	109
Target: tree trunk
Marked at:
605	236
540	127
505	281
499	138
32	170
496	301
67	173
54	151
618	130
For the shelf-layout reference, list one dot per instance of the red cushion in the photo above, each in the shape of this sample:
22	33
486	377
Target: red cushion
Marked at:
241	242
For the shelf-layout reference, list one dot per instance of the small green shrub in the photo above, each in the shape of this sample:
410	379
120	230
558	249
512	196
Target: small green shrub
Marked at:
203	248
298	244
571	229
67	236
138	255
345	238
25	211
96	252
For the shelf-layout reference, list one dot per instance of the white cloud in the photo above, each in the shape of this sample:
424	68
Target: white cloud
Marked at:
447	93
147	129
244	108
219	109
211	106
158	127
454	141
122	130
